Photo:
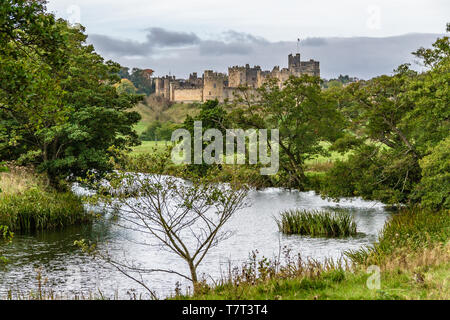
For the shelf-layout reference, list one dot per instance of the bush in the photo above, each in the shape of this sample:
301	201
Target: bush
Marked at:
317	223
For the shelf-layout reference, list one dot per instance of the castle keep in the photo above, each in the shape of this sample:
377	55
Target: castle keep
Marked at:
215	85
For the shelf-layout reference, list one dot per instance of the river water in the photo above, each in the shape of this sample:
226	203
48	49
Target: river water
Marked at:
68	271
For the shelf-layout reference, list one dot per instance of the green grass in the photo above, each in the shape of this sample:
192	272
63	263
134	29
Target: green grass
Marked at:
151	147
317	223
323	163
339	285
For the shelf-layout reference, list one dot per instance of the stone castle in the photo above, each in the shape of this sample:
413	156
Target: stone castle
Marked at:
215	85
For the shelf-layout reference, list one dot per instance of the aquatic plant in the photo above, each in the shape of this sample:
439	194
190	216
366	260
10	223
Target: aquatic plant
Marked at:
317	223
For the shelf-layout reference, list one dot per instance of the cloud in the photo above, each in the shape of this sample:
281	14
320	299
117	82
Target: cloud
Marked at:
314	42
228	42
117	47
164	38
181	53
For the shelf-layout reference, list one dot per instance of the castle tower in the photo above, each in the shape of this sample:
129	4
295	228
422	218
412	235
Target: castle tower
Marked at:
213	84
293	62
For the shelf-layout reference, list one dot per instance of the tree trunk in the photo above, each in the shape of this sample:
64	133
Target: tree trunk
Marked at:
194	278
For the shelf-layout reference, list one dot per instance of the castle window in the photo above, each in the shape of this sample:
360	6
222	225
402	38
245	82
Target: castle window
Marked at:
210	93
215	85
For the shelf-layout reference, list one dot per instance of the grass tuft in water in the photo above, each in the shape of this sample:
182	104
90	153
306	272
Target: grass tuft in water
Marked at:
317	223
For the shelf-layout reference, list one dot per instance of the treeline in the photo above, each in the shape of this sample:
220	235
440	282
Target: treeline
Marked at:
338	82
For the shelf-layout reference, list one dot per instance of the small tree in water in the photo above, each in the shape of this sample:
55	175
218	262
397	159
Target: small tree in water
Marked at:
182	217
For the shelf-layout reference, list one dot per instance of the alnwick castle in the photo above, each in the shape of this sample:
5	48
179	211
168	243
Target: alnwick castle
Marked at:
215	85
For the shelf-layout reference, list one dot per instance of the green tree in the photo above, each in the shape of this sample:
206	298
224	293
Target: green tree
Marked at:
142	81
213	116
400	119
434	188
59	109
125	86
304	115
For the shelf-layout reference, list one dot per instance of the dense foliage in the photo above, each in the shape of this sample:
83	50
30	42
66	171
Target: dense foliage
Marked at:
397	130
59	109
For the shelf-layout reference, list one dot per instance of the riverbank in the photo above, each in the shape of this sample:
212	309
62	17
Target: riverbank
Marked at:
411	257
28	203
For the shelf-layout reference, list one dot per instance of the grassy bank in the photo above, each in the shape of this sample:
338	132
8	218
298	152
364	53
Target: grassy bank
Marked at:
28	203
412	256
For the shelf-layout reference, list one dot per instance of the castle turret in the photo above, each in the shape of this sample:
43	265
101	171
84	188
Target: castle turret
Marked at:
293	62
213	84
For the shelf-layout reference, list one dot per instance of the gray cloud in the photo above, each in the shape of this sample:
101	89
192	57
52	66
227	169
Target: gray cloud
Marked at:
112	46
219	48
314	42
183	53
165	38
228	42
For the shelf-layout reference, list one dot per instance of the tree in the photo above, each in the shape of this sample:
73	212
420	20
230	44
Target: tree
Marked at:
125	86
398	121
434	188
184	218
212	116
142	80
303	114
59	109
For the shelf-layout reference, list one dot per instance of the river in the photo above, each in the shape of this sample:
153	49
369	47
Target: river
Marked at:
68	271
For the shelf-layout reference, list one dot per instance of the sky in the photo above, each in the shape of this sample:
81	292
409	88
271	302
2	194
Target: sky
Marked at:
355	37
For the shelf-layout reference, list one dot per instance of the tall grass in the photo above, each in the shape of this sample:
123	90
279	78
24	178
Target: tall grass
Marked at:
28	203
317	223
413	229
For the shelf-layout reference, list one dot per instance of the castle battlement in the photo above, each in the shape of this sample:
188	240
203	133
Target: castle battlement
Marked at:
217	85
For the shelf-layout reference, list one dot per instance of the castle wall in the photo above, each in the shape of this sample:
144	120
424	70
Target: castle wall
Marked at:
219	86
236	76
310	67
187	94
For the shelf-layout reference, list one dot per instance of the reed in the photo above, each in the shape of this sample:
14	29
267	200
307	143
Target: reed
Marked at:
317	223
28	203
412	229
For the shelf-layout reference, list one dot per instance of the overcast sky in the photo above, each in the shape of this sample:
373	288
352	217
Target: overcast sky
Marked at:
359	38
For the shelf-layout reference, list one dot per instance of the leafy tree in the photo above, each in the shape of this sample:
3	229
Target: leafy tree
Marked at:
213	116
142	81
59	109
304	115
125	86
434	188
401	119
124	73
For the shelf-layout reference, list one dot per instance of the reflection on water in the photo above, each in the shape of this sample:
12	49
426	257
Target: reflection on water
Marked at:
68	271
